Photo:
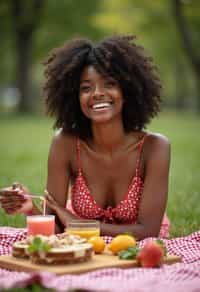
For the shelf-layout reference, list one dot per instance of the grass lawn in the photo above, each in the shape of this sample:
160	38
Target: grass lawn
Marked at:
24	143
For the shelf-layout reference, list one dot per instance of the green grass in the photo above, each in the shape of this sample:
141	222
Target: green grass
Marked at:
24	143
184	188
23	155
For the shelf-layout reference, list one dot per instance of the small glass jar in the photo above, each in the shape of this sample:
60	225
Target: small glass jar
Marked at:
84	228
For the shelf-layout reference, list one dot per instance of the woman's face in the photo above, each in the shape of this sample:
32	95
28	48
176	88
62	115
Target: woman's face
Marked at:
101	97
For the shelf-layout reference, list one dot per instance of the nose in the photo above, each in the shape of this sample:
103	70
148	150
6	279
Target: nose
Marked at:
98	92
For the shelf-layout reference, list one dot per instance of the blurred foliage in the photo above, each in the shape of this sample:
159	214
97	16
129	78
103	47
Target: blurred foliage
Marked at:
153	22
59	21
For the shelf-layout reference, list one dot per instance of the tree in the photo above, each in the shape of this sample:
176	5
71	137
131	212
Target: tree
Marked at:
25	19
188	43
154	24
34	27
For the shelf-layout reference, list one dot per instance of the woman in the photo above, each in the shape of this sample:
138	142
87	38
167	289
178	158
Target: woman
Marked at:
102	97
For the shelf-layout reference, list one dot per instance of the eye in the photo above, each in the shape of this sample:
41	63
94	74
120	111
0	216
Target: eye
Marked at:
110	83
85	88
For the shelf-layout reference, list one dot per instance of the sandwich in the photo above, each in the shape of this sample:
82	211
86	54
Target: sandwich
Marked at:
55	249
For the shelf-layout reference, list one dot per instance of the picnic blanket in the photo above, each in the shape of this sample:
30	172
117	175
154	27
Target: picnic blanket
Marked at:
181	277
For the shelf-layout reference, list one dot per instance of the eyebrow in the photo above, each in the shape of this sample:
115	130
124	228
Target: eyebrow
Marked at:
85	80
106	78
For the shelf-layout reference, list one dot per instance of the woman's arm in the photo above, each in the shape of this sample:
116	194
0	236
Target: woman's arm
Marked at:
58	179
154	196
15	199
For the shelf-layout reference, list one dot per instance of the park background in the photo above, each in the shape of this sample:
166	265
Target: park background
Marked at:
170	32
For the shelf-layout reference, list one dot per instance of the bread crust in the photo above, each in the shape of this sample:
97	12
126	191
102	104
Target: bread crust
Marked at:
65	249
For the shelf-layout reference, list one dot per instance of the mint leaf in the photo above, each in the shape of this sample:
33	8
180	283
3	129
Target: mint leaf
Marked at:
31	249
37	241
46	247
125	255
37	245
134	250
129	254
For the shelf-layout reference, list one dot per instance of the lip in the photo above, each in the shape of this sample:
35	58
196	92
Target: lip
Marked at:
101	104
101	107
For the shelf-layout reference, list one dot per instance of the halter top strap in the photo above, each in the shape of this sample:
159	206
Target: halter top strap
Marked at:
138	162
78	151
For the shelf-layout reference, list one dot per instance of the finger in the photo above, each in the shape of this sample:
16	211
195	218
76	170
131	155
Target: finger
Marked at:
49	201
4	202
13	198
4	206
8	205
46	192
9	195
21	196
7	192
16	188
12	203
6	189
50	205
50	198
48	195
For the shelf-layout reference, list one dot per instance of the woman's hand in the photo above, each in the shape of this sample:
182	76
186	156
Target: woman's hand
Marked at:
60	211
14	201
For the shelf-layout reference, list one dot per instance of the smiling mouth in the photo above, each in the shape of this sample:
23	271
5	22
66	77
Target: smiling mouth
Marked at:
101	106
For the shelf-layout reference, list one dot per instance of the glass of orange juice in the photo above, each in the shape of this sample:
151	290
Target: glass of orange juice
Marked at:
41	224
84	228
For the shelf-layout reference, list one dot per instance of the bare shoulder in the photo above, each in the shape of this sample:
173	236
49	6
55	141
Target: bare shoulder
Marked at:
157	144
63	140
157	139
62	146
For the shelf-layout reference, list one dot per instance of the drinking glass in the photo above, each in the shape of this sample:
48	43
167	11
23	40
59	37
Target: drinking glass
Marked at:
41	224
84	228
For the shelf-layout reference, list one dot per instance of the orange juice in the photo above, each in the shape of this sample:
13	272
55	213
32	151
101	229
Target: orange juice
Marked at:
84	228
40	224
86	233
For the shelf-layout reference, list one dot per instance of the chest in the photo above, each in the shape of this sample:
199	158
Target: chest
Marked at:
108	179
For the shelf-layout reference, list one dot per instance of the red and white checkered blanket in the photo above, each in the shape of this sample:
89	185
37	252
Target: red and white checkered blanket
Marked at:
181	277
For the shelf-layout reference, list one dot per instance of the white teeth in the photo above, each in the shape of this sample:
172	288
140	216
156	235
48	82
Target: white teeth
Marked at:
101	105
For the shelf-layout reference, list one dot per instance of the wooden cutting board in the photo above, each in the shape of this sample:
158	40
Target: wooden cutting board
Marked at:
97	262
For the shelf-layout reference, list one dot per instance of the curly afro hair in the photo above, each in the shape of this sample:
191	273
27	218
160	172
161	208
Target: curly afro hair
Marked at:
118	57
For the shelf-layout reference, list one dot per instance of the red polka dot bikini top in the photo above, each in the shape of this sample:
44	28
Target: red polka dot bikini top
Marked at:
126	211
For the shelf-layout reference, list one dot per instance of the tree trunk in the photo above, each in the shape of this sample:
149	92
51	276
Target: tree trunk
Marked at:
188	45
25	15
23	68
181	85
198	92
